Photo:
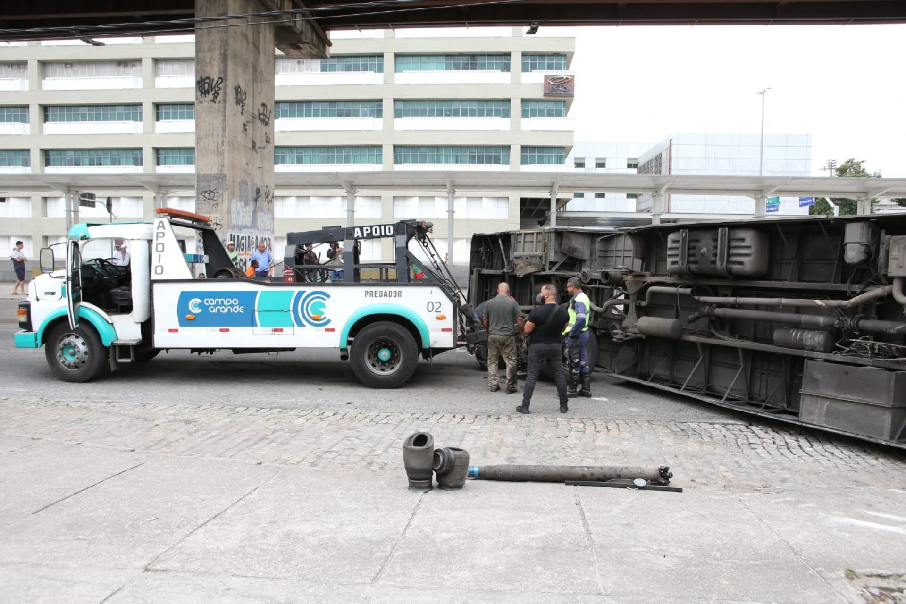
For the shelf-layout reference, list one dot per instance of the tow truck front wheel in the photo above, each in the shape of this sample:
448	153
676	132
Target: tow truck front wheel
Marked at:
384	355
76	355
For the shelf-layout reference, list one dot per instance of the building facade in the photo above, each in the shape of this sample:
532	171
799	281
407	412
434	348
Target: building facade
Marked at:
728	155
437	99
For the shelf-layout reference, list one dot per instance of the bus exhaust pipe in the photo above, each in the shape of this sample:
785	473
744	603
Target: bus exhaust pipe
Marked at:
525	473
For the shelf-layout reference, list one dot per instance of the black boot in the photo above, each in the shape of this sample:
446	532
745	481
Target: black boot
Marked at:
572	386
586	385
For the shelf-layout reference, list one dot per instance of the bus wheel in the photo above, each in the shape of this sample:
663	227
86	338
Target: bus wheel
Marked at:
76	355
384	355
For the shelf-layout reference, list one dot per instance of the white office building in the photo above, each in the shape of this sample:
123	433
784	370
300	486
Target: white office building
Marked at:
438	99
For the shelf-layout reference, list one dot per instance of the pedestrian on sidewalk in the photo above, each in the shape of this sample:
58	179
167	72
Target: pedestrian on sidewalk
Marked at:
501	318
545	325
18	258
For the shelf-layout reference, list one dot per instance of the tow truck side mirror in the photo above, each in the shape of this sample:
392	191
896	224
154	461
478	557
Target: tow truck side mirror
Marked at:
46	260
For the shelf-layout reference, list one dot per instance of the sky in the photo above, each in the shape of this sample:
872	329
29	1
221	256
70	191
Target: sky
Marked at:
843	85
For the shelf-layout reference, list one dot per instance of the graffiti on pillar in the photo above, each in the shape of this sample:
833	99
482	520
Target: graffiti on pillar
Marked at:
246	244
268	195
267	139
245	128
255	146
264	114
257	195
240	95
264	219
210	189
209	87
243	211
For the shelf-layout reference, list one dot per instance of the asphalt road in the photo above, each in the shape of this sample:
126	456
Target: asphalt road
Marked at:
319	380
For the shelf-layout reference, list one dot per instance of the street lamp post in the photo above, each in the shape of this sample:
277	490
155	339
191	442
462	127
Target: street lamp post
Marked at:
761	152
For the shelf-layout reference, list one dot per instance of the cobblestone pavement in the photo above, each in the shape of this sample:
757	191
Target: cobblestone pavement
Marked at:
728	455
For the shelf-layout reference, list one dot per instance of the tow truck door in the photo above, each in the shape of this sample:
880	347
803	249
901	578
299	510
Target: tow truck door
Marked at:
73	283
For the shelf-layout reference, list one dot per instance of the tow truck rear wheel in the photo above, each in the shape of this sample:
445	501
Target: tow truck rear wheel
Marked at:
76	355
384	355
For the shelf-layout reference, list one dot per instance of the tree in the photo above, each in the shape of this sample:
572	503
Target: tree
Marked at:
851	168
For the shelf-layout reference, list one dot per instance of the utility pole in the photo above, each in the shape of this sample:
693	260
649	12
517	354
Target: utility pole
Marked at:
761	152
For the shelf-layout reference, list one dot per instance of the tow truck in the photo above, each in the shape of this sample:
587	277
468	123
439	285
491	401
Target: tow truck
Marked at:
100	311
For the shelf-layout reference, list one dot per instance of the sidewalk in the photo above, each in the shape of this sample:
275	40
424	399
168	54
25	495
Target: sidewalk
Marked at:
84	519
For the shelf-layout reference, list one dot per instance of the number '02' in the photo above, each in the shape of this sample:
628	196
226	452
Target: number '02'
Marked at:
434	306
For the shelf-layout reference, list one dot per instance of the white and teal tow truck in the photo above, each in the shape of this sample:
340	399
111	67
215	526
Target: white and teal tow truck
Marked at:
128	292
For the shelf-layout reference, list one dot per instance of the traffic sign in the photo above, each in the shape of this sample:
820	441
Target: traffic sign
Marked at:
771	205
806	201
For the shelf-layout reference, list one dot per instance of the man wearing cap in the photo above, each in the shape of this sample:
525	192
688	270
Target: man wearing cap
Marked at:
576	333
232	253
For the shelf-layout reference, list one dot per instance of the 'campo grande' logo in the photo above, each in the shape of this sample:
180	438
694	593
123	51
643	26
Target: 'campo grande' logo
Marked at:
195	305
311	309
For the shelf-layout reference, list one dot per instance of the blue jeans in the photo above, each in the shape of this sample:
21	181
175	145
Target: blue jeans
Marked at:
336	275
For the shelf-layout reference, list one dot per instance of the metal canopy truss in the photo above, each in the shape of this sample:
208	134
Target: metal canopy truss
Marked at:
27	20
527	184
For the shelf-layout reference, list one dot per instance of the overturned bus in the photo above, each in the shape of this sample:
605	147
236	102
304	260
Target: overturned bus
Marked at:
801	320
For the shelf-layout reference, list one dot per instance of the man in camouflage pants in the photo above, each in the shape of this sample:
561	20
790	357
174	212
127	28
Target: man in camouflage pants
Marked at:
501	317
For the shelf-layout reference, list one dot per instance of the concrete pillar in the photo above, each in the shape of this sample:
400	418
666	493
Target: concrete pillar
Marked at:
553	219
863	207
350	206
234	126
657	208
450	212
759	207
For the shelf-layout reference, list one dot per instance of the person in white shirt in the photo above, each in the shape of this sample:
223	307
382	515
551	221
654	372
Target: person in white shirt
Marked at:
121	255
18	258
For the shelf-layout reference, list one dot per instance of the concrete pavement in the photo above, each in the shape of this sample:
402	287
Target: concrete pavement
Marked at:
279	479
107	502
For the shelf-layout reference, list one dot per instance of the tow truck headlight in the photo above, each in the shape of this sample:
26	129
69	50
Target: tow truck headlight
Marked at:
24	315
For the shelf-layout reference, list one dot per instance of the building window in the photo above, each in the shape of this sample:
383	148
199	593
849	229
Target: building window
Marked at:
13	115
10	242
632	163
468	208
176	111
316	109
373	63
93	69
325	207
451	109
93	113
579	163
174	68
348	63
577	195
600	195
15	207
327	155
452	63
15	158
543	155
600	162
13	71
452	155
543	108
632	196
176	157
93	157
543	63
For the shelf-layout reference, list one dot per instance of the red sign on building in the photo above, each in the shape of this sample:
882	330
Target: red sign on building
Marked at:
559	85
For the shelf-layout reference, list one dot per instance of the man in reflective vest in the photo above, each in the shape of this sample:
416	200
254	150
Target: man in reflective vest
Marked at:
576	333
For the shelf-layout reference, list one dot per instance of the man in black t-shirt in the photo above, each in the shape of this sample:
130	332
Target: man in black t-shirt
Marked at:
545	324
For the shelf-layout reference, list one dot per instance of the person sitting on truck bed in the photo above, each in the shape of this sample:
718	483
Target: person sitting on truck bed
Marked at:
335	258
252	270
